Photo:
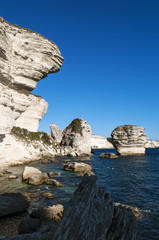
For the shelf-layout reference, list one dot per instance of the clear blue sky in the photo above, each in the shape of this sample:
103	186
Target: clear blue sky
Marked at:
110	75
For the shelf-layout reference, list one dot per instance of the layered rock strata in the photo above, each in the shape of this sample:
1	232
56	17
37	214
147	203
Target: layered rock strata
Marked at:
152	144
76	137
91	214
100	142
25	58
129	140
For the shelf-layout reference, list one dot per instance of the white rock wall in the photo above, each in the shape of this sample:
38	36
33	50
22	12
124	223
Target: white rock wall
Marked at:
100	142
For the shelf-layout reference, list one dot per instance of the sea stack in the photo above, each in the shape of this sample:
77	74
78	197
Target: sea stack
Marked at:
129	140
77	136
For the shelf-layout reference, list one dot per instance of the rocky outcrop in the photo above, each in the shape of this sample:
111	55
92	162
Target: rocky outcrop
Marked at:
91	214
76	167
129	140
77	137
25	58
56	133
152	144
100	142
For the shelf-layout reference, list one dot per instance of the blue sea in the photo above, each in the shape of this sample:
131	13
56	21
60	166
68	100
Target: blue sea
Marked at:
132	180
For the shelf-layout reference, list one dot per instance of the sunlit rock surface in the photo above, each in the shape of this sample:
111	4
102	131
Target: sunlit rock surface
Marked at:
56	133
25	58
77	137
100	142
152	144
129	140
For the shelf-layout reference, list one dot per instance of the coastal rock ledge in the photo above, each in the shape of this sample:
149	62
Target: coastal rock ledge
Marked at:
129	140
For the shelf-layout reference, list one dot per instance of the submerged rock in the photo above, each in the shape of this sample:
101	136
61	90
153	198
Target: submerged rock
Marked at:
12	203
108	155
29	225
76	167
54	182
129	140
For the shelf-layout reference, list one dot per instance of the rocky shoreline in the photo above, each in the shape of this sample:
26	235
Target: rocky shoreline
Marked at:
99	205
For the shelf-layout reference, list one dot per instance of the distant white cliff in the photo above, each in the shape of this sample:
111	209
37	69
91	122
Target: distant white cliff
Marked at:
100	142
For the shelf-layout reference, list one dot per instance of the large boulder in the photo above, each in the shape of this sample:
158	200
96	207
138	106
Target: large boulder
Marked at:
56	133
91	214
29	171
77	167
77	136
12	203
129	140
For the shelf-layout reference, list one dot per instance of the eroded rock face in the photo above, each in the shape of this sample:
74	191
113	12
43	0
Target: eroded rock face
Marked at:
90	214
56	133
25	58
152	144
77	136
129	140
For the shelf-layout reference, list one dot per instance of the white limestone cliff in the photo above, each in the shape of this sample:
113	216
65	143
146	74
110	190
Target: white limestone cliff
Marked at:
152	144
100	142
129	140
25	58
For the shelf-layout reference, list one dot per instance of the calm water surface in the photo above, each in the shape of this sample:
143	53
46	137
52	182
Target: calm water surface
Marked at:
130	180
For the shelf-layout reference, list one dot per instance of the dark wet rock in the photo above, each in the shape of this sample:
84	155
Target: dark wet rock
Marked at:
29	225
31	236
50	213
54	183
108	155
76	167
12	203
91	214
